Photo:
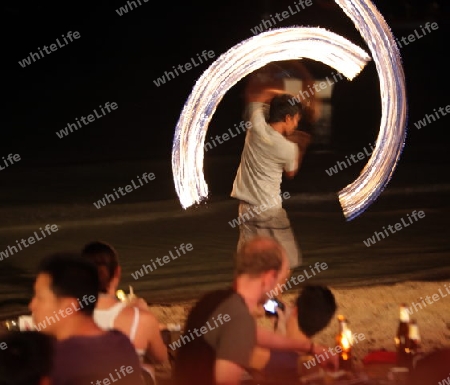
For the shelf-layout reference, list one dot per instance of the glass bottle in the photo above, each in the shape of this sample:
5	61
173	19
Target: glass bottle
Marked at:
402	341
414	339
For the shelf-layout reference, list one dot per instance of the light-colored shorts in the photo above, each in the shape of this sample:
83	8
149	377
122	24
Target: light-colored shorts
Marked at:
273	223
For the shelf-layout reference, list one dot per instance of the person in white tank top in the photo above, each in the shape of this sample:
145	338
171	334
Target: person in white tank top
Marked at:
134	320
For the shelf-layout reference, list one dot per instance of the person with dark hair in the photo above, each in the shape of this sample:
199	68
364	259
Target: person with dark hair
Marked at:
220	332
133	319
65	295
314	308
282	108
26	359
273	148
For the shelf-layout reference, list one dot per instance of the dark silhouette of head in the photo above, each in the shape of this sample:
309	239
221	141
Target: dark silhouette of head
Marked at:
27	358
316	307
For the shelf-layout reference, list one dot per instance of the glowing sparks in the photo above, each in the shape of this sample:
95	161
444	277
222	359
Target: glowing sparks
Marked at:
358	195
291	44
239	61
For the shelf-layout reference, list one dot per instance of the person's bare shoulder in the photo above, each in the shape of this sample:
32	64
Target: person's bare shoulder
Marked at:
145	315
148	319
148	323
126	315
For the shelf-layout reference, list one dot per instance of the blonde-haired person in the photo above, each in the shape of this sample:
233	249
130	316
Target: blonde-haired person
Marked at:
134	320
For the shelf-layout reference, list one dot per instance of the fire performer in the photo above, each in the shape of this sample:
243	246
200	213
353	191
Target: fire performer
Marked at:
273	146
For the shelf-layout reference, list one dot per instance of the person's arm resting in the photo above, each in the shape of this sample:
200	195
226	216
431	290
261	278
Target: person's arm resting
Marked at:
156	349
268	339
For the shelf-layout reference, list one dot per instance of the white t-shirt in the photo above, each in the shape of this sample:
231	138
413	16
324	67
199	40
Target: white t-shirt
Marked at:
266	155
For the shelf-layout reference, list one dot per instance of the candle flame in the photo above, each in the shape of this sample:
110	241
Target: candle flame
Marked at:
121	295
346	342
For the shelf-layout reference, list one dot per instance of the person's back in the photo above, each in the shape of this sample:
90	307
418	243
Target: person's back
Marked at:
265	156
195	357
77	359
137	322
66	291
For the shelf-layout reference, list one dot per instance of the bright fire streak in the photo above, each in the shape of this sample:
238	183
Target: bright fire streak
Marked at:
276	45
357	196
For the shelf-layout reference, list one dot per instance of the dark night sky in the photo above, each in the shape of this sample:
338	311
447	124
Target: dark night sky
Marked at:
117	58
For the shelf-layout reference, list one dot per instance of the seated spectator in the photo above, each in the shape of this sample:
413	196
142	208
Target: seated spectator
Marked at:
65	294
220	331
314	308
25	358
138	323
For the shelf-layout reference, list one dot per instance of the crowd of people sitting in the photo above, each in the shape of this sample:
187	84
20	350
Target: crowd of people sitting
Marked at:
85	335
